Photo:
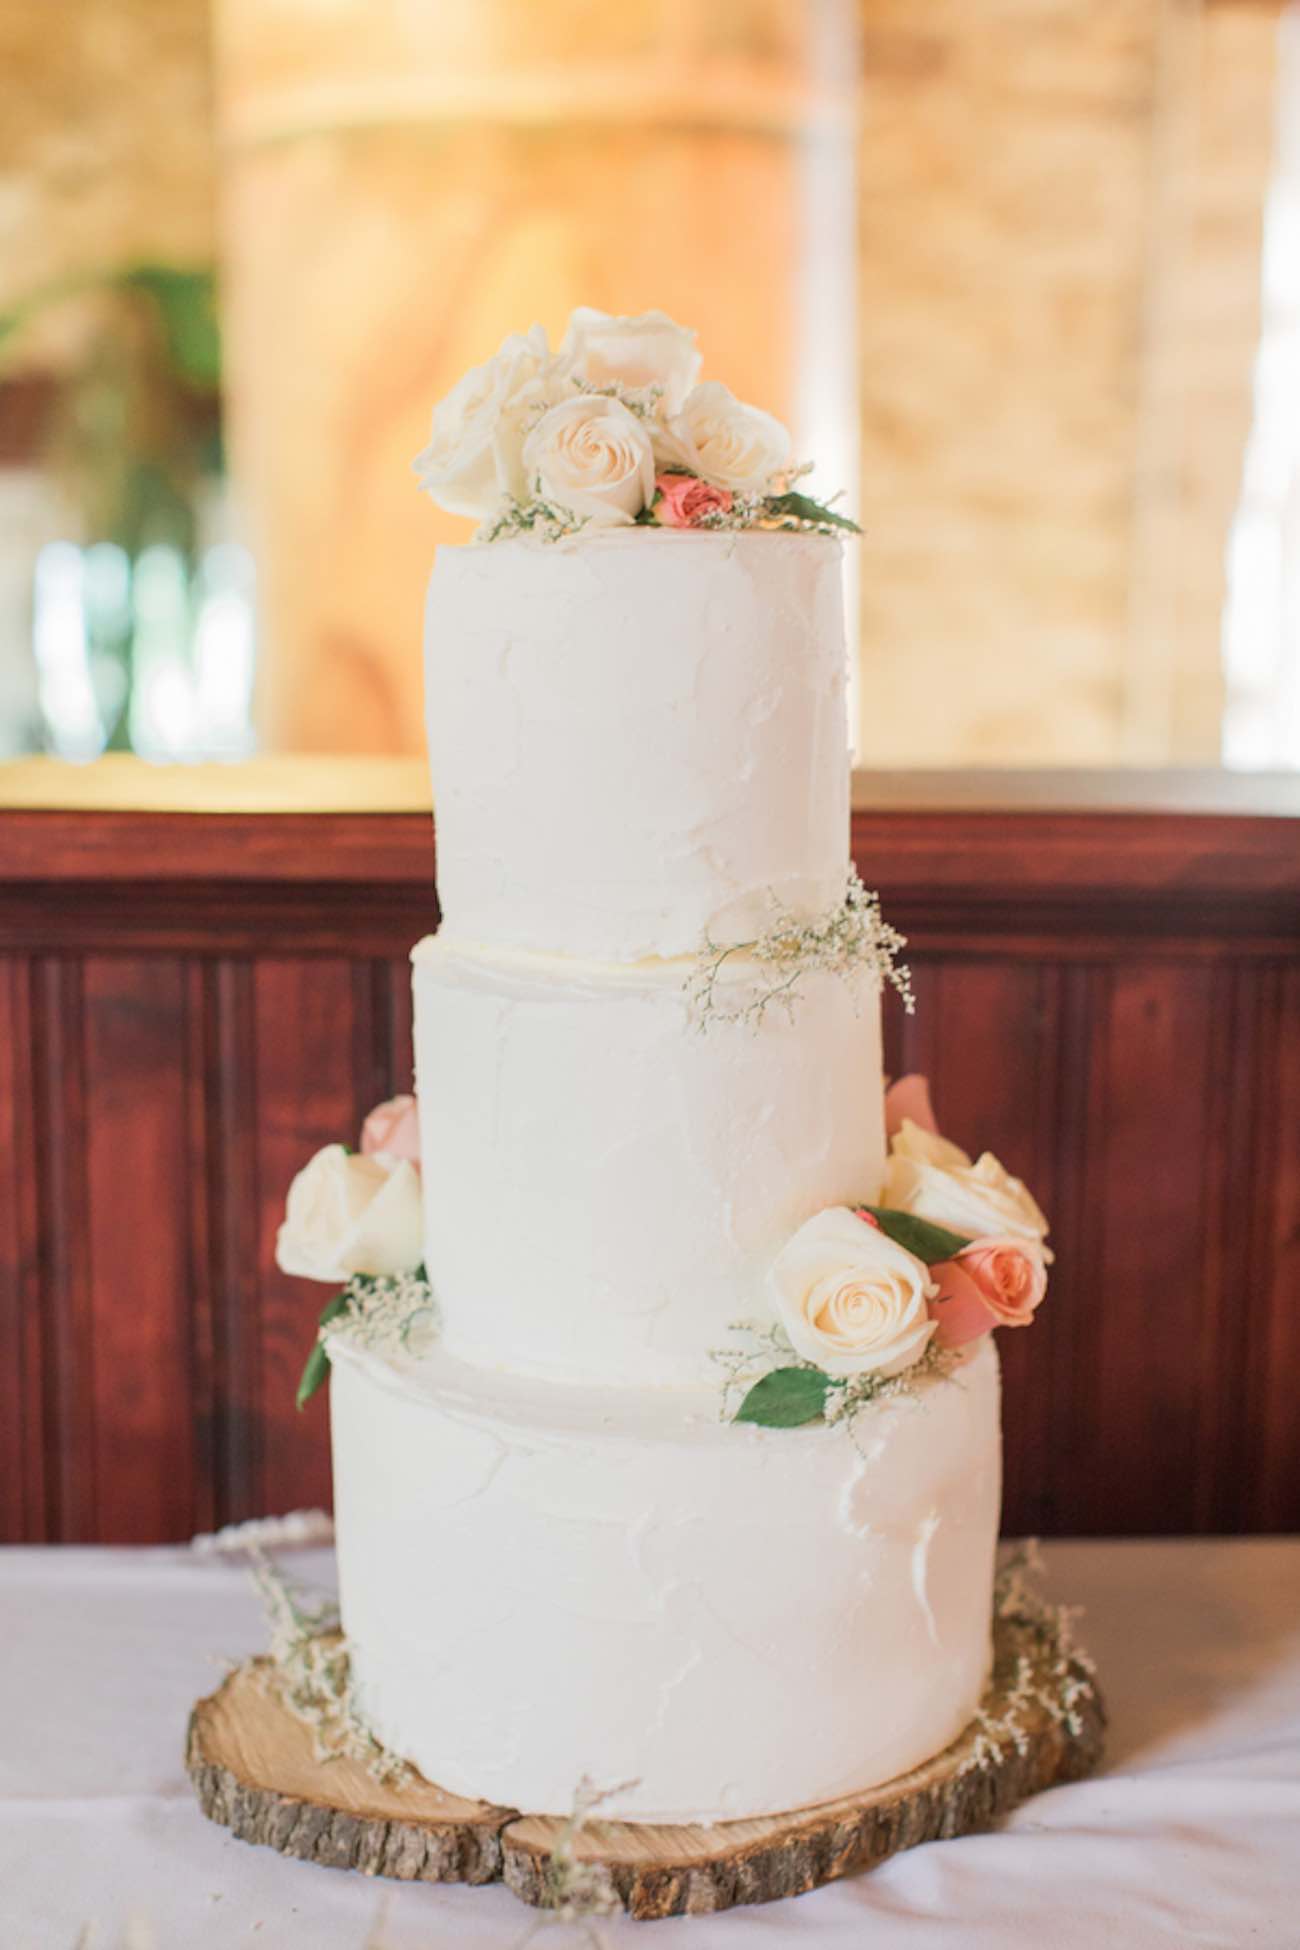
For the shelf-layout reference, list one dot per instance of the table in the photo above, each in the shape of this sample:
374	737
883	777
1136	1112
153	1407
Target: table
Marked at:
1191	1836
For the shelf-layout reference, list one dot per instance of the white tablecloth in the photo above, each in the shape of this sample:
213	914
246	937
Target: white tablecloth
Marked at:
1191	1835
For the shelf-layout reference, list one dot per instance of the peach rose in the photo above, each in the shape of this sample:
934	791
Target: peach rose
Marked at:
908	1099
990	1283
393	1127
1011	1274
684	500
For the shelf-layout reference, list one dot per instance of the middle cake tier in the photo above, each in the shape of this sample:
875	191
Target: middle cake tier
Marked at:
608	1174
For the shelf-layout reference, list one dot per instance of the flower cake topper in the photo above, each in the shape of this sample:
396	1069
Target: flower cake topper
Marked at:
612	430
870	1297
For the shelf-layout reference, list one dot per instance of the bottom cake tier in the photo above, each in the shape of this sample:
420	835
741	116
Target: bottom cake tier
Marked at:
543	1585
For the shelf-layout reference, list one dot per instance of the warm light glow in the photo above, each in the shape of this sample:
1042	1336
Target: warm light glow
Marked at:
224	653
66	694
1261	625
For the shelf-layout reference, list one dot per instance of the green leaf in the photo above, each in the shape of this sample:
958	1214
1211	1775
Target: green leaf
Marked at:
316	1370
803	508
314	1375
786	1398
928	1242
186	302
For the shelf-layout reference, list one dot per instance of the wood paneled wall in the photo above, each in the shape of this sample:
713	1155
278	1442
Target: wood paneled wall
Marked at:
190	1004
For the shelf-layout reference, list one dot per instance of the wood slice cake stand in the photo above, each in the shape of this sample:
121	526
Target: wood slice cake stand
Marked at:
254	1768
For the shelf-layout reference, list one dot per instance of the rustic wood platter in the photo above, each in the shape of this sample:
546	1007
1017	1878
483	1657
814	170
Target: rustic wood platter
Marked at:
254	1769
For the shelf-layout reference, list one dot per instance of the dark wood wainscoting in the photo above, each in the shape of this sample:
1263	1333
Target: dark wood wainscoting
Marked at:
190	1004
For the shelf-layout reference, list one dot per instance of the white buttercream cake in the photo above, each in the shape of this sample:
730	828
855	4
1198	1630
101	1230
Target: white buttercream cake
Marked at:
545	1582
695	1492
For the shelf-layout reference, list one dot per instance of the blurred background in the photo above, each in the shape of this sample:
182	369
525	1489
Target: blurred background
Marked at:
1023	274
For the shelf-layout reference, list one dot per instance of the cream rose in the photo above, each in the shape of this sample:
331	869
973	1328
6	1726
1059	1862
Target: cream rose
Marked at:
937	1181
350	1214
593	457
718	437
639	352
472	458
849	1298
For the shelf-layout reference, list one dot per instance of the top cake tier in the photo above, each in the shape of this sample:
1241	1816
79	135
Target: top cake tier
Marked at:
638	739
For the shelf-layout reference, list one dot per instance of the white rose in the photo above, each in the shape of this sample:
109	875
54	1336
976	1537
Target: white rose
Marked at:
937	1181
472	457
349	1214
648	350
718	437
520	413
849	1298
592	456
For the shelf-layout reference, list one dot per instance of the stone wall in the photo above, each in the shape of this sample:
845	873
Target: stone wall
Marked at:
106	153
1059	275
1057	291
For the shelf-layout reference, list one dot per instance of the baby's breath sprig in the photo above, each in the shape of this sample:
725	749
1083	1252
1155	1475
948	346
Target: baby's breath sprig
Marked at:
577	1892
311	1672
763	1352
861	1391
783	505
756	1351
395	1313
1052	1673
392	1313
780	505
644	401
852	938
789	512
544	520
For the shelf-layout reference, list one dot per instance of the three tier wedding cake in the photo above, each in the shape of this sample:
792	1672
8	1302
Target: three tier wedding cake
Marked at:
665	1401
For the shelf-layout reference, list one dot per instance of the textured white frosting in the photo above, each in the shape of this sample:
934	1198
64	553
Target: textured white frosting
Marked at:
555	1560
541	1583
637	739
606	1185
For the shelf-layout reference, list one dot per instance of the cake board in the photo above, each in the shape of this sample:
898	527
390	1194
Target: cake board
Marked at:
254	1769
